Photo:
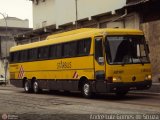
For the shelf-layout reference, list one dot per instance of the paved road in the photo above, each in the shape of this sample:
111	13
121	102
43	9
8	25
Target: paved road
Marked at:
47	105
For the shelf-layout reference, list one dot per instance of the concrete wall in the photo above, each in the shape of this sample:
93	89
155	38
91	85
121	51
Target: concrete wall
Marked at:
64	11
44	14
132	20
153	39
6	44
15	26
87	8
2	69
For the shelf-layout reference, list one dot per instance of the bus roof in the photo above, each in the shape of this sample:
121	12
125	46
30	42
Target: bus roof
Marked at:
82	30
75	35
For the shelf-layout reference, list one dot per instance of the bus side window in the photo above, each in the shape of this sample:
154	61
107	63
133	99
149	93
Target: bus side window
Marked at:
43	52
33	53
11	57
66	50
84	46
21	56
25	55
70	49
73	49
16	57
59	51
87	46
52	51
81	47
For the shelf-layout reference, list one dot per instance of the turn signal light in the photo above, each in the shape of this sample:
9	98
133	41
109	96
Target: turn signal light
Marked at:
148	77
116	79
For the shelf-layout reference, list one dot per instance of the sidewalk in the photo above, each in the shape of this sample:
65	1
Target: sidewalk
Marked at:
8	87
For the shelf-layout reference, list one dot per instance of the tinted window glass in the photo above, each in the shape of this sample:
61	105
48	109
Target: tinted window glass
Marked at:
55	51
25	55
66	49
70	49
21	56
59	51
84	46
43	52
16	57
11	57
73	49
33	54
52	51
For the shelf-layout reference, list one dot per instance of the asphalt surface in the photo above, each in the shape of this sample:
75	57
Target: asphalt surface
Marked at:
72	106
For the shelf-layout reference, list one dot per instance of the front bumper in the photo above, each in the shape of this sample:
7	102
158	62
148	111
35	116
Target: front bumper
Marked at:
143	85
103	86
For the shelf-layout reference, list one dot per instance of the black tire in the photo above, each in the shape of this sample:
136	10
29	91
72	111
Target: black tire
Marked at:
86	90
27	87
36	88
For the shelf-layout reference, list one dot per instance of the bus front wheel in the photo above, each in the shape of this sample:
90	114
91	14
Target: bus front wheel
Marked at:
86	90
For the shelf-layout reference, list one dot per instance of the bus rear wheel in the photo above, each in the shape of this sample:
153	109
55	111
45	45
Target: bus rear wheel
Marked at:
27	87
86	90
36	87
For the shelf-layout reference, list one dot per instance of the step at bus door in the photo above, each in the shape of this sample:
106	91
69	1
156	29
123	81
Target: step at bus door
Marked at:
99	65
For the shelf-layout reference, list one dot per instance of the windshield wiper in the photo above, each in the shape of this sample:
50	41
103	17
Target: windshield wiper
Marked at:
141	60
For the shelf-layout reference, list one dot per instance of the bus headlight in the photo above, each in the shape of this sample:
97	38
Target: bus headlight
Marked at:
116	79
148	77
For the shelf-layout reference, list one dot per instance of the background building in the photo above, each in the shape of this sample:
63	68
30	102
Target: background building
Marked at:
8	30
59	12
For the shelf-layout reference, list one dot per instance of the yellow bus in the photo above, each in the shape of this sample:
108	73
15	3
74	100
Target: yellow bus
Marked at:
87	60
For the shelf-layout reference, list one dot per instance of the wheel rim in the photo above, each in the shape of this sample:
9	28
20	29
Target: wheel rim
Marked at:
35	86
86	89
26	87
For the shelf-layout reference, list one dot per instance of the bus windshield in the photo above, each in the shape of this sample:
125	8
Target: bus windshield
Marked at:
129	49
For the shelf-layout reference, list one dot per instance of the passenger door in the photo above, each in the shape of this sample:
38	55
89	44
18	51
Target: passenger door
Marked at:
99	65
